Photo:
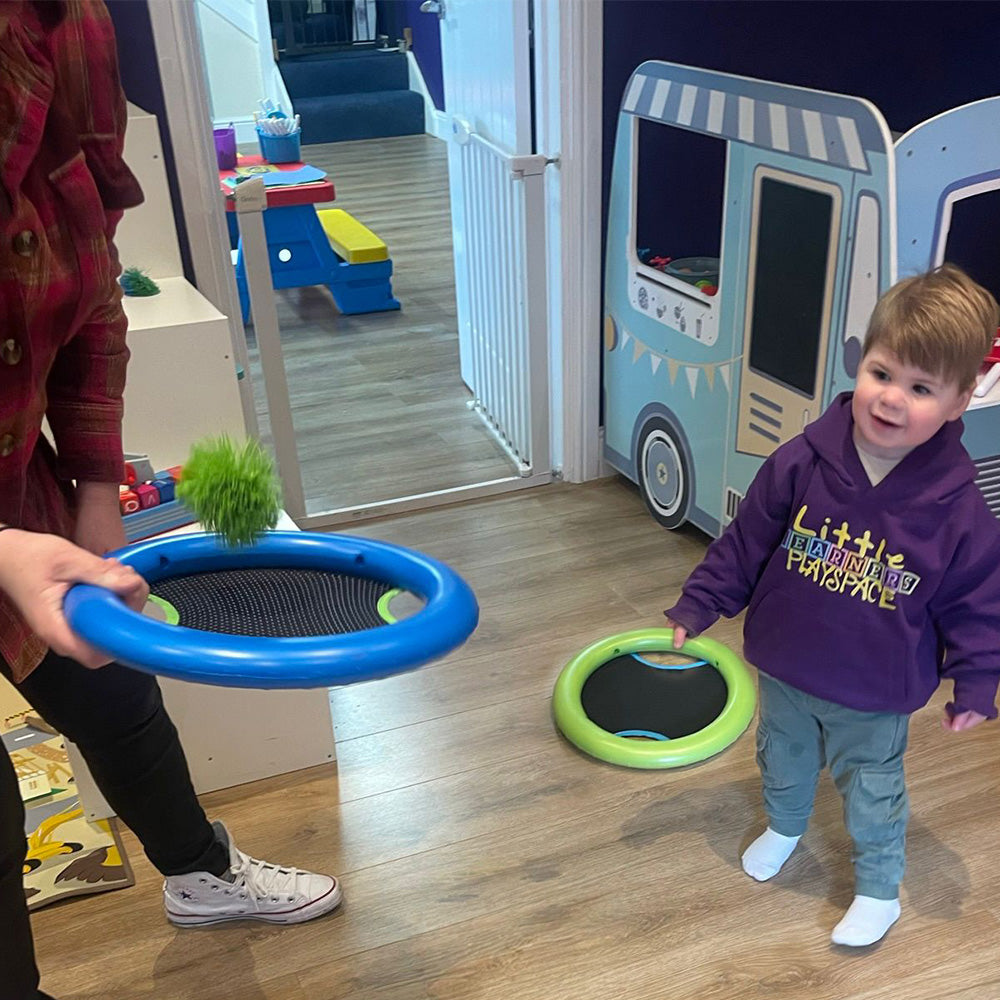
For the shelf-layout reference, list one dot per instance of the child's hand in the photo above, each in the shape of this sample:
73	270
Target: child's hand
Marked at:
964	720
680	633
36	571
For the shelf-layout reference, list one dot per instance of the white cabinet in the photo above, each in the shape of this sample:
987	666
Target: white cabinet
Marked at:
182	378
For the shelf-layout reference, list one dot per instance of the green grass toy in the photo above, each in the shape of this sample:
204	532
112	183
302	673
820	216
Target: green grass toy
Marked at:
135	281
231	488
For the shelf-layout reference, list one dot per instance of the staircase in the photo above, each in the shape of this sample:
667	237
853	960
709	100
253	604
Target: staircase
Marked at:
353	95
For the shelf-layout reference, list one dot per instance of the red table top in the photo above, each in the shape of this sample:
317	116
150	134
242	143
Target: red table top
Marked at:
278	197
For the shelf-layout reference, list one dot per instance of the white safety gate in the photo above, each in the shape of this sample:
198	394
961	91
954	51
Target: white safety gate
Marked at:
500	271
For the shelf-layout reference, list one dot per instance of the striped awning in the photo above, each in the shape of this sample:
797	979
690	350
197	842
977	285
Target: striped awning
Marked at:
811	124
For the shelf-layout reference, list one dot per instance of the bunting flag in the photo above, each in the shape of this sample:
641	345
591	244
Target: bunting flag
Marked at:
691	371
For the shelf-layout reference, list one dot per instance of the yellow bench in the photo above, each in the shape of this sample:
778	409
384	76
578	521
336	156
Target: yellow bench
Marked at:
351	240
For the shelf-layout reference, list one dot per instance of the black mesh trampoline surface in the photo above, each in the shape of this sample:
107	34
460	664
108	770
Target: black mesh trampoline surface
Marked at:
274	602
628	695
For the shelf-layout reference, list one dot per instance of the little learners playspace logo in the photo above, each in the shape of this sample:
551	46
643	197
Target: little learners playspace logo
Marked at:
845	563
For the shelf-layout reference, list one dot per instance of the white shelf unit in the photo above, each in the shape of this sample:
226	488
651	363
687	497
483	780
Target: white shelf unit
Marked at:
182	377
182	382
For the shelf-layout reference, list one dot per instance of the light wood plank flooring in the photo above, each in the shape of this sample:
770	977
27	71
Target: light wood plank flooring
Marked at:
377	400
483	858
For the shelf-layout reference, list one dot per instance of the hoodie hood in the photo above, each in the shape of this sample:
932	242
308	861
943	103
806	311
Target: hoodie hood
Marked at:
931	473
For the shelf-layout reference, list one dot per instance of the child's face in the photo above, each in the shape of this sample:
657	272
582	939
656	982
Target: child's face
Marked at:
897	407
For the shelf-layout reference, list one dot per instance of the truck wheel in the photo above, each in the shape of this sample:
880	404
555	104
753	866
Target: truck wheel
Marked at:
664	473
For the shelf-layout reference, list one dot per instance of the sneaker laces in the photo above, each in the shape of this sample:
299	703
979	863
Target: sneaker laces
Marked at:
267	881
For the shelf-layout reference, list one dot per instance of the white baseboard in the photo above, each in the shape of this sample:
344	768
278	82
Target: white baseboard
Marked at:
439	125
435	122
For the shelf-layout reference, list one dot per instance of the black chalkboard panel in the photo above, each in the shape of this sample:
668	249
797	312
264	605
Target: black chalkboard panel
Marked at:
789	283
972	238
681	179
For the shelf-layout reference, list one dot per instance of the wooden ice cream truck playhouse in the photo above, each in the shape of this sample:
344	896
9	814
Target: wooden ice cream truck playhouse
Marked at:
735	310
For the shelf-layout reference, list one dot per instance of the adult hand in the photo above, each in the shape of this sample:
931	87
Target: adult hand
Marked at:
964	720
36	571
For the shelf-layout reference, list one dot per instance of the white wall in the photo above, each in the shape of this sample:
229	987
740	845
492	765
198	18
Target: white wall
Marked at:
239	62
487	81
235	82
147	235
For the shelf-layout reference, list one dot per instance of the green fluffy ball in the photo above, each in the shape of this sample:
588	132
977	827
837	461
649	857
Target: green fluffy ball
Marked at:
232	489
135	281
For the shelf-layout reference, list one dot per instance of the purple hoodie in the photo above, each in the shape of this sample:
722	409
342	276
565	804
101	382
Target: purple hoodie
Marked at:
863	595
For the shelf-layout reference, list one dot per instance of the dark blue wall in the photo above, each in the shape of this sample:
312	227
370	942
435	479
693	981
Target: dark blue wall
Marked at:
911	59
427	49
393	16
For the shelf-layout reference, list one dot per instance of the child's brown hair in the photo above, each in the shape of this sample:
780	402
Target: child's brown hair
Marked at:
941	321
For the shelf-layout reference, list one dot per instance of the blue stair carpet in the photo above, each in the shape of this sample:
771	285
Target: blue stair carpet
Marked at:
353	95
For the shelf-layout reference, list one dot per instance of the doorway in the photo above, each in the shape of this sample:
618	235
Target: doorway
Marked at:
567	80
416	407
379	405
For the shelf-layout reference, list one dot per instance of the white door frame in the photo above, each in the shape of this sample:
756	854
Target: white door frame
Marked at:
189	119
569	55
569	125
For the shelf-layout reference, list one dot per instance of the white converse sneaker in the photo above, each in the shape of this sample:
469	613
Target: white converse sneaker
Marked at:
258	891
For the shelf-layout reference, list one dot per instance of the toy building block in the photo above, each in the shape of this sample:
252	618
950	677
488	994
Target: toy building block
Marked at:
175	473
165	486
351	240
149	496
128	500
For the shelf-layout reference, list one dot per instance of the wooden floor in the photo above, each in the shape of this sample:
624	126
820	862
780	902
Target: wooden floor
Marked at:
377	400
483	858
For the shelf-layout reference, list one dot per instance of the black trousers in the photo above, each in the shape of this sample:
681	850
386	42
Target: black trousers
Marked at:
116	717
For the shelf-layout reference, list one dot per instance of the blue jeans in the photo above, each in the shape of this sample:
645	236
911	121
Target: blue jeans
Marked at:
797	736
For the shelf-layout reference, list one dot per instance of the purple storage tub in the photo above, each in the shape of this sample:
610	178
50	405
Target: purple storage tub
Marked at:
225	147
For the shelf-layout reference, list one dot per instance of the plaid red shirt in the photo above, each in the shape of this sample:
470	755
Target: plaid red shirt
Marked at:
63	186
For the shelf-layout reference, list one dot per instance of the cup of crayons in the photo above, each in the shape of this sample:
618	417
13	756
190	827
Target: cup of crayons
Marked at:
280	136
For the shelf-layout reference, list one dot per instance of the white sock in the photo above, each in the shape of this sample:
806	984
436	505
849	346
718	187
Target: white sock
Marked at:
866	921
765	856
